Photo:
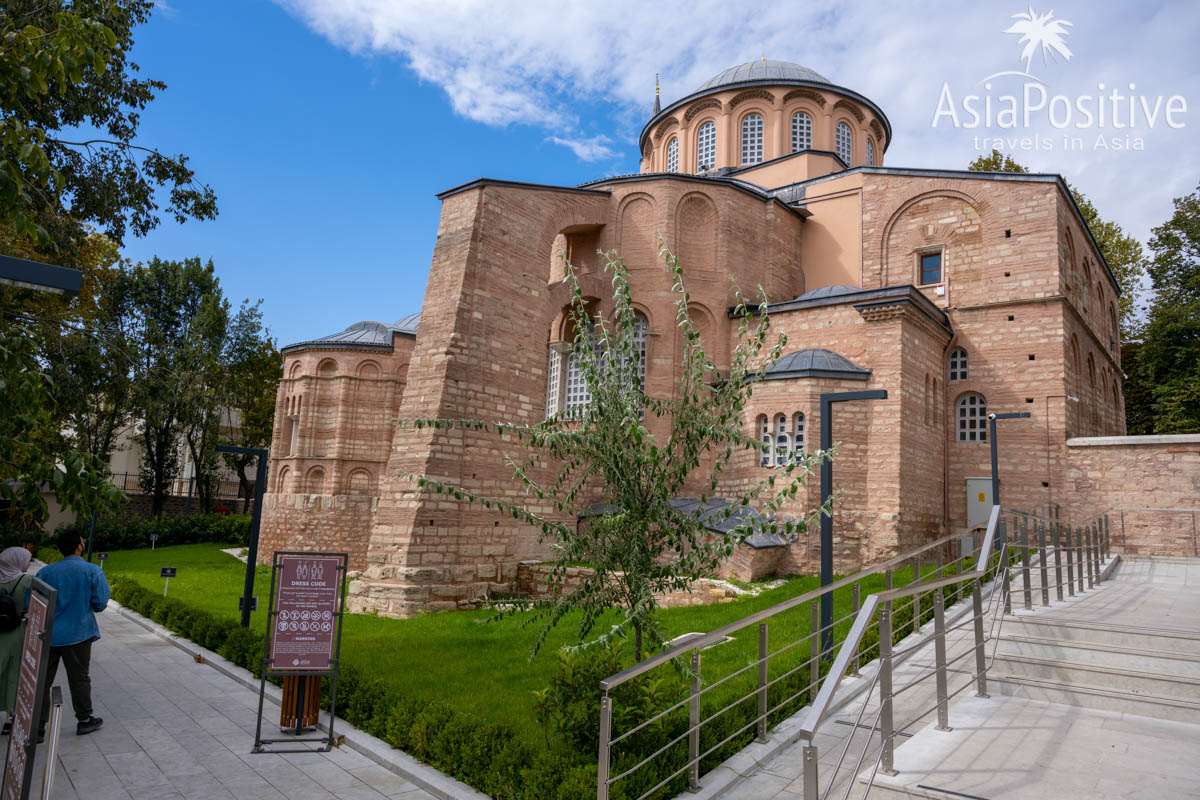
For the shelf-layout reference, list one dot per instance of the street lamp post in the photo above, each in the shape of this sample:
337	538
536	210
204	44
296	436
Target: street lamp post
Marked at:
260	485
827	401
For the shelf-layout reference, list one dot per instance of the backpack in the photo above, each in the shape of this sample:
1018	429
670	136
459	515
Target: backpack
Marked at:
10	614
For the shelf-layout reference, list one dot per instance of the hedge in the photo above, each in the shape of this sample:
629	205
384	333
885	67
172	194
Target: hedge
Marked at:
134	534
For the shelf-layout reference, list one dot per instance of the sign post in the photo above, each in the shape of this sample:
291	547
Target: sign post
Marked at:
31	678
260	486
153	539
167	573
102	557
304	619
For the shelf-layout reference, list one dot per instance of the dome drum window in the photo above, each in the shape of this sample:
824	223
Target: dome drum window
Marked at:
673	155
801	132
706	147
845	143
870	153
752	139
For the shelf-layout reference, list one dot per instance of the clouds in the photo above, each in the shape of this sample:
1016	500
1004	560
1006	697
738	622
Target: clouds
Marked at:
538	63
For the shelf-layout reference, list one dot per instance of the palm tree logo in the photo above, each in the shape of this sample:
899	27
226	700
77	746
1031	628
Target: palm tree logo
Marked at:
1040	31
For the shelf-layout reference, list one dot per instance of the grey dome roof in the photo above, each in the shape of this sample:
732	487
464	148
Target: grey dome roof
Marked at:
365	335
762	71
829	291
815	363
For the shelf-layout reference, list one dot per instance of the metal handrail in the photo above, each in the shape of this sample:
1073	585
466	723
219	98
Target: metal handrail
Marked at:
820	707
715	636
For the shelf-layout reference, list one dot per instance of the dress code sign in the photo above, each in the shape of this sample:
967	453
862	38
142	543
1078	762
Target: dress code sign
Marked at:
306	599
16	770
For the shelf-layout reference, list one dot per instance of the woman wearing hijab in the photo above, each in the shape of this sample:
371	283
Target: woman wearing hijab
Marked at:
14	581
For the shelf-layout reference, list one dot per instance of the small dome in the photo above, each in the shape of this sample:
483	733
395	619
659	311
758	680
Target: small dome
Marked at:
762	71
408	324
829	291
367	334
815	363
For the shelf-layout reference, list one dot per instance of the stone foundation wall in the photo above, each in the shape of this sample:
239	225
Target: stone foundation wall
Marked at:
533	579
318	523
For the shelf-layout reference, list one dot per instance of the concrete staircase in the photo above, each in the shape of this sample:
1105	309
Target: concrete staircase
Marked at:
1143	671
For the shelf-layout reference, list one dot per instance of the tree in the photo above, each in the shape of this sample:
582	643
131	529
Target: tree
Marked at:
1121	252
252	368
177	329
64	67
639	543
1170	354
26	403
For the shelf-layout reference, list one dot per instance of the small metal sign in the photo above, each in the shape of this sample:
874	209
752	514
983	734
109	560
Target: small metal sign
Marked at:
304	624
102	556
31	677
253	604
167	572
153	539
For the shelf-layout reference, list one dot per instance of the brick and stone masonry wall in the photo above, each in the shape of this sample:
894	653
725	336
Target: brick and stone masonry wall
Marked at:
533	579
1137	472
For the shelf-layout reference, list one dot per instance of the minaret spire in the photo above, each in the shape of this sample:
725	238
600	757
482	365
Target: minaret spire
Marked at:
657	101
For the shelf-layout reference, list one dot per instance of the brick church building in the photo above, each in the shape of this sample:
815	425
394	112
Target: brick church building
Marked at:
960	293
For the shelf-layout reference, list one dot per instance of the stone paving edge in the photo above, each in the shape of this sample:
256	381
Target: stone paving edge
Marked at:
422	775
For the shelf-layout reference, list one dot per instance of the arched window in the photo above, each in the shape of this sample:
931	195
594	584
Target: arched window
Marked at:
295	370
752	139
958	364
579	394
937	401
552	370
797	436
673	154
801	132
783	442
845	143
972	418
641	326
1113	327
706	147
764	435
870	152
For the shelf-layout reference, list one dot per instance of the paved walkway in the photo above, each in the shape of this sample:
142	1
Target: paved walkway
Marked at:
176	729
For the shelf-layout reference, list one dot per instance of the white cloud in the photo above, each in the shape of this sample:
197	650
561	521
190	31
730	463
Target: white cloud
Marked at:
594	148
533	62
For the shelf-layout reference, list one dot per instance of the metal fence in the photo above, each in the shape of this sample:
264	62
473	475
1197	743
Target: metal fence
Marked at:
756	693
224	490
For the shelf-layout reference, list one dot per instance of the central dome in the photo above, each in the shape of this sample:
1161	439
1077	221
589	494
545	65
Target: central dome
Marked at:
762	71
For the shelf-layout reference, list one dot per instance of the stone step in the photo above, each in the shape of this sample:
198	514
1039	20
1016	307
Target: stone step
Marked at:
1158	684
1096	697
1046	626
1099	654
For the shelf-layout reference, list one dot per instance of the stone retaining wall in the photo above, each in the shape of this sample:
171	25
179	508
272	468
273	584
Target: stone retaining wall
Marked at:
533	579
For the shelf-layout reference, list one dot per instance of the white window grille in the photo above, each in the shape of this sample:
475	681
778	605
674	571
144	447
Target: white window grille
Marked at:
797	436
752	139
673	155
958	364
764	435
801	132
641	326
706	147
579	394
553	369
870	153
972	418
783	441
845	143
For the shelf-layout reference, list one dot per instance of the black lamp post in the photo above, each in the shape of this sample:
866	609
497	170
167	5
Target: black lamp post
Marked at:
260	485
827	401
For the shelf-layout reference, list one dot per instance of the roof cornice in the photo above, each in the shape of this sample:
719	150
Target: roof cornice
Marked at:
480	182
749	188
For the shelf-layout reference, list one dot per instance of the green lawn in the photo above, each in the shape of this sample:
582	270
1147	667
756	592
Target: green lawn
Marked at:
461	658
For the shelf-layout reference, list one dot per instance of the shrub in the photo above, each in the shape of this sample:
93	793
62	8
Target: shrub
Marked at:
134	534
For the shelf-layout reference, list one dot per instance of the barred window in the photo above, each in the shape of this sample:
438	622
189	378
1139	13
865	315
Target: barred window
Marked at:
579	394
972	418
641	326
552	369
801	132
706	147
783	441
797	436
870	153
752	139
958	364
845	142
764	435
673	154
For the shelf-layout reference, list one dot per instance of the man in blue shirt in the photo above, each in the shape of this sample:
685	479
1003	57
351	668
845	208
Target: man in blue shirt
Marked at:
82	591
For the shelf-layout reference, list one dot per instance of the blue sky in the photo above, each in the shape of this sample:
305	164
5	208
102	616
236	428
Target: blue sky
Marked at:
327	126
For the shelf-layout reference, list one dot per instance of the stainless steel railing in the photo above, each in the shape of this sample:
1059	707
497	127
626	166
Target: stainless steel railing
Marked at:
1017	543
